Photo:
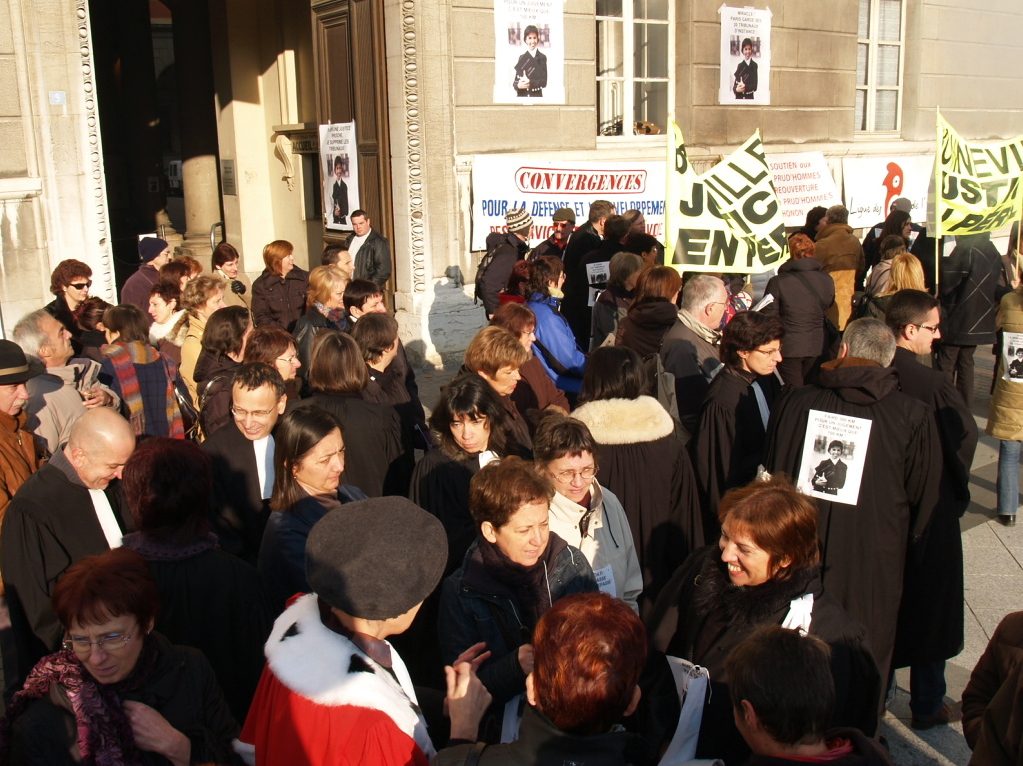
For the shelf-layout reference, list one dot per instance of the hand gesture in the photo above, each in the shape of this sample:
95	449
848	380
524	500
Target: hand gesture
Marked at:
155	735
467	699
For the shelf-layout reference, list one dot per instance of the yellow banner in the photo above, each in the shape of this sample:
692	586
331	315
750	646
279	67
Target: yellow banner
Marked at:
979	186
728	220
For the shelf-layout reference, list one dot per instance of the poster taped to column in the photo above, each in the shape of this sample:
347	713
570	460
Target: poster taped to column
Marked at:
872	184
979	187
529	52
802	181
541	186
745	56
727	220
339	163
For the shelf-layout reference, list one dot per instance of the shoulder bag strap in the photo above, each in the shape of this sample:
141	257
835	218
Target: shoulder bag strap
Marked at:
810	287
552	361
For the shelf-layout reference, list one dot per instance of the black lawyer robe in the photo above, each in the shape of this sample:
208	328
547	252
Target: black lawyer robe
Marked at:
931	615
864	546
729	443
238	512
50	524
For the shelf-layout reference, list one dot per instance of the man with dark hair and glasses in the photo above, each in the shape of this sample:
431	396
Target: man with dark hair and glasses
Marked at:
930	628
243	460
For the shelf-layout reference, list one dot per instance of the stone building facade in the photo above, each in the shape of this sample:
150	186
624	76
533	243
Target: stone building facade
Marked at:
255	77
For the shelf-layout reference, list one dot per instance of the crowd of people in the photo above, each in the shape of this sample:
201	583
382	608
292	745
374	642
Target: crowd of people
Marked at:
655	517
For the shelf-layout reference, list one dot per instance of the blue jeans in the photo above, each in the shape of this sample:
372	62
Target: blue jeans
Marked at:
1008	478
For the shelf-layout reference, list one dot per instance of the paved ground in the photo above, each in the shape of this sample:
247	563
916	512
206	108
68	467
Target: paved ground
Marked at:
994	587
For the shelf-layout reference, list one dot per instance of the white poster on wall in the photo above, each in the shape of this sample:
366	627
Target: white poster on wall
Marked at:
339	162
500	183
745	56
873	183
529	52
802	181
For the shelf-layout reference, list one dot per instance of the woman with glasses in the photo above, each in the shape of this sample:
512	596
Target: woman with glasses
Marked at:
729	444
70	283
309	458
583	513
276	348
514	571
119	693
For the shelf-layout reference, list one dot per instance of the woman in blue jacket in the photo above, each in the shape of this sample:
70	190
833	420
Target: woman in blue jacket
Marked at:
561	357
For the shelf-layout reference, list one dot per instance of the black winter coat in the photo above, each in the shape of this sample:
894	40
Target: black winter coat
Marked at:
279	301
969	292
797	306
375	457
931	615
583	240
702	617
213	602
214	377
541	743
897	496
646	467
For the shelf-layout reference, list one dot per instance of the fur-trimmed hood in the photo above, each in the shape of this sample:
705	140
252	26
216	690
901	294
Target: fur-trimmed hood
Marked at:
626	421
325	667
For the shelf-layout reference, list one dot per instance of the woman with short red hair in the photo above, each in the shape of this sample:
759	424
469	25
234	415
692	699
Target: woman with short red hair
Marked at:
588	653
83	704
765	569
278	295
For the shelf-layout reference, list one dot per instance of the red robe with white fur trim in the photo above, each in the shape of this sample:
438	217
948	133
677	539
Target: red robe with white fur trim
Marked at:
322	702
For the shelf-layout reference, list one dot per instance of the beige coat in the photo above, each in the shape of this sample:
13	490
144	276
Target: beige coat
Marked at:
840	254
190	351
1005	421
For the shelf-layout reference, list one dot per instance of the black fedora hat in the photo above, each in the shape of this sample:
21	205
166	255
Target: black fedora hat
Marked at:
14	367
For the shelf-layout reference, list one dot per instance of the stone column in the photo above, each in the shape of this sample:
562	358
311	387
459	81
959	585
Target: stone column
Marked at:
193	60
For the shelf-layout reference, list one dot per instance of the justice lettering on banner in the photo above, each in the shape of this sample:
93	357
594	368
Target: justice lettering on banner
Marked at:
978	186
727	220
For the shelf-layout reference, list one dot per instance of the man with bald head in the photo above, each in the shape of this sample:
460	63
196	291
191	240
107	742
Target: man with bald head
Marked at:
70	508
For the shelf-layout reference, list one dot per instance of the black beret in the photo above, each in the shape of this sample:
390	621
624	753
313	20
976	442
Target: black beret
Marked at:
376	559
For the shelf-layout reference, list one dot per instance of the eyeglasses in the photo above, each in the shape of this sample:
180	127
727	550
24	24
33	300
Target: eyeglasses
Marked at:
112	642
81	285
566	477
932	330
768	351
293	359
257	414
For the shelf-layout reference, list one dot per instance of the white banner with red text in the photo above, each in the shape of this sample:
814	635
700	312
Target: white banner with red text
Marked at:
503	182
872	184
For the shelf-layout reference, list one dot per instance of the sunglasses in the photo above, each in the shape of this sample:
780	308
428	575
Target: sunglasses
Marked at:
81	285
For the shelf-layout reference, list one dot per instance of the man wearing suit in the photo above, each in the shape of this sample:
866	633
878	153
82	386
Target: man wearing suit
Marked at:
829	476
70	508
745	84
243	460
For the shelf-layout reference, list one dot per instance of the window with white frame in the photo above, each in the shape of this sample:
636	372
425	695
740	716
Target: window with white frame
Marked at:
879	58
633	51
